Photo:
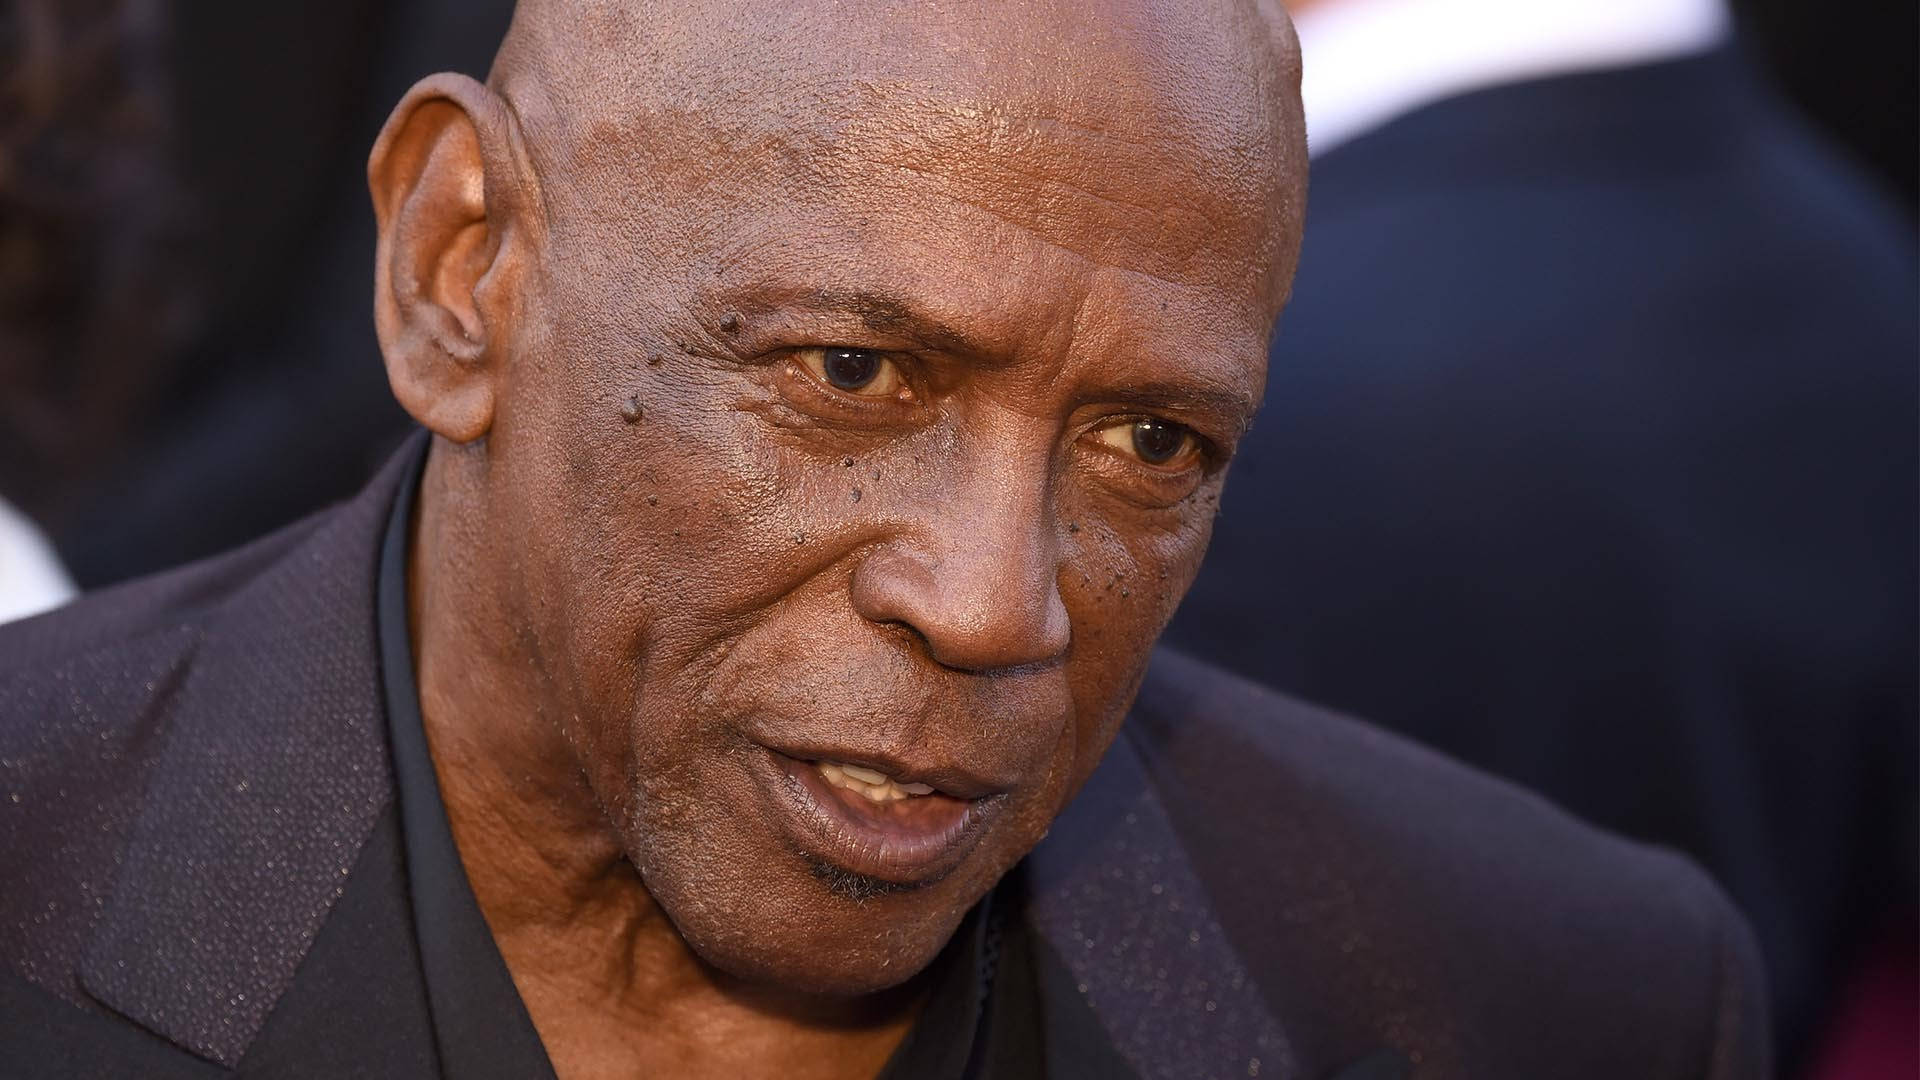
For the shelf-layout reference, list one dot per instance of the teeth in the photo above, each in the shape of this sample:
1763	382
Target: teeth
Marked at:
875	785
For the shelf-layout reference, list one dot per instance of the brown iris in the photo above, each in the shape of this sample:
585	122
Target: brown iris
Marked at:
850	369
1158	441
862	372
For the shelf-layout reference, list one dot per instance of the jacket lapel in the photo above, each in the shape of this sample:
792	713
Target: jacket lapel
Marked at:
271	777
1111	891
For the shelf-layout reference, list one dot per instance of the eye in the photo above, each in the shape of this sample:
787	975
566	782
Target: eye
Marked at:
864	372
1153	440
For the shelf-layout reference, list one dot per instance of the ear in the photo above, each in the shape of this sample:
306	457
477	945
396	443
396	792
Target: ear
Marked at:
447	198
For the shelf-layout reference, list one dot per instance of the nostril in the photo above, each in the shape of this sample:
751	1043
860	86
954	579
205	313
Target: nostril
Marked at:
972	606
909	636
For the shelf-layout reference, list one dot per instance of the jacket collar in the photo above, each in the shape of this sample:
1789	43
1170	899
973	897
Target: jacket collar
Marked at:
1113	891
275	761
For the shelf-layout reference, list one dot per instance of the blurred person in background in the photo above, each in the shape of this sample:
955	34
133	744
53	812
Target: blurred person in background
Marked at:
89	305
186	360
1589	450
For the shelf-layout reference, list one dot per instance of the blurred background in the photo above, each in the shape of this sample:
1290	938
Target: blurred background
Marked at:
1591	451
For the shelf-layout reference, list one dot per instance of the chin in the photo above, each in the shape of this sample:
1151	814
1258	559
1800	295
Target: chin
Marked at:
826	936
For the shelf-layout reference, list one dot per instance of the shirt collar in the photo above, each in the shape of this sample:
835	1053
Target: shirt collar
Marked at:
1368	62
480	1026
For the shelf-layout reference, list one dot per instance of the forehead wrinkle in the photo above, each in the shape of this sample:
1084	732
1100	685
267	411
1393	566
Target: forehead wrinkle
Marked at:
1053	208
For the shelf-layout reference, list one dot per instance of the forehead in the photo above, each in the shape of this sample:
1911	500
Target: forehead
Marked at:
1151	137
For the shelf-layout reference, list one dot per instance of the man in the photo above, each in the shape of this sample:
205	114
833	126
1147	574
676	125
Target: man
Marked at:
1590	450
827	409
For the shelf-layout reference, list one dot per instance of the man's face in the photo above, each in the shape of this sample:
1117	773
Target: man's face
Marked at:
876	431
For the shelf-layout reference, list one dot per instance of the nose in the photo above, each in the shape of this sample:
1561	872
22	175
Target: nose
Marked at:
978	582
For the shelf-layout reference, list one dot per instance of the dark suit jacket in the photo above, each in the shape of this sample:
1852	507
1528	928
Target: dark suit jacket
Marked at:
199	868
1588	456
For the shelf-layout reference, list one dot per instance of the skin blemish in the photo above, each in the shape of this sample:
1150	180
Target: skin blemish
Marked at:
855	494
846	463
1073	526
653	359
630	410
730	323
653	500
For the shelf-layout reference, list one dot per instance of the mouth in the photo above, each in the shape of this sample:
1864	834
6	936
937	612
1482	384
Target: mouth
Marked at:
880	821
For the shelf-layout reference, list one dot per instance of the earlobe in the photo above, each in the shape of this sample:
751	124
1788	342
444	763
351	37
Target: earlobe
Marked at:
442	176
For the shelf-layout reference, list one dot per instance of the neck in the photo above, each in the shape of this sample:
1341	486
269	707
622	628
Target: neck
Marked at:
610	984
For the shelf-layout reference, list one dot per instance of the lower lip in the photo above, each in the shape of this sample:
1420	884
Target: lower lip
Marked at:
912	841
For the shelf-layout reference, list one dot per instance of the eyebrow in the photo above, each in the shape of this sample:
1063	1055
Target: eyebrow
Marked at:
889	314
1231	409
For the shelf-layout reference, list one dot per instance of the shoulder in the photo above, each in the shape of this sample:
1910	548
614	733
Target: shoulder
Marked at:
85	689
120	619
87	693
100	700
1486	923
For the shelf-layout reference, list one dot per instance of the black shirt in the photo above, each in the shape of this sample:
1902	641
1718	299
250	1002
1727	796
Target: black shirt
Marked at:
981	1018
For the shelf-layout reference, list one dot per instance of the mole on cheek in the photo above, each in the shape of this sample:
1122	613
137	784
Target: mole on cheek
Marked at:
730	322
630	410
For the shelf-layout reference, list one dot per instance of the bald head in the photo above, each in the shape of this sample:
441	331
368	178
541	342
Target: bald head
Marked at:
1017	108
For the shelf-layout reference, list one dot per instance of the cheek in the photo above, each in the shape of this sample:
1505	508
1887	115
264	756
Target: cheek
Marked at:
641	505
1124	574
675	536
1121	581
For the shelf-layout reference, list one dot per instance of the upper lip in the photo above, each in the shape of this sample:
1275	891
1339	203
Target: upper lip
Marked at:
948	779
